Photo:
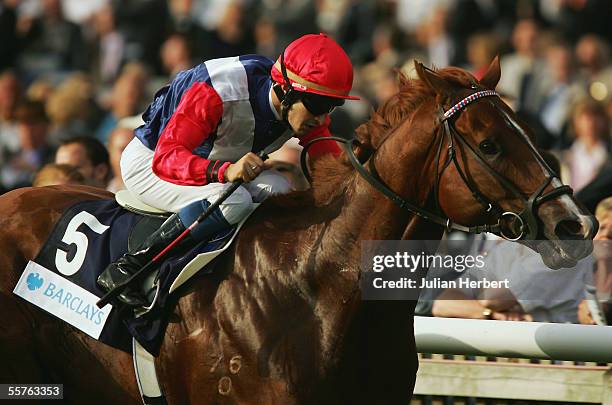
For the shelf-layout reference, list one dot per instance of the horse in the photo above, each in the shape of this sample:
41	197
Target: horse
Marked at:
282	319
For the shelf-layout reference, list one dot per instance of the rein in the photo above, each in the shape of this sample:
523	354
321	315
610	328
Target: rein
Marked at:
527	219
380	186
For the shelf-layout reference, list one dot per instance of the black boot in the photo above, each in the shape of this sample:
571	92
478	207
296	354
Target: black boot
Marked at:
116	273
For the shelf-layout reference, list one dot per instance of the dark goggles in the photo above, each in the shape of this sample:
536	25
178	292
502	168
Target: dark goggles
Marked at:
319	105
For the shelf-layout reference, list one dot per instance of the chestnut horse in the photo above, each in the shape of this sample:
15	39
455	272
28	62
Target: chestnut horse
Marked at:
282	320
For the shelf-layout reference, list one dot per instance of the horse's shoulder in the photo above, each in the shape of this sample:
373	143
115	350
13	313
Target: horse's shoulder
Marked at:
78	191
25	202
58	193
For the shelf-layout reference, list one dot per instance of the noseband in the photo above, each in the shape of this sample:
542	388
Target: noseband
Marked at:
526	221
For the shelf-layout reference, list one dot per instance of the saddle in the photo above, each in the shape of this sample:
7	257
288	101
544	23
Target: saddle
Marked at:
92	234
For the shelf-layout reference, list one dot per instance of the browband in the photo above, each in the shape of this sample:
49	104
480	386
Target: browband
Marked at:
469	99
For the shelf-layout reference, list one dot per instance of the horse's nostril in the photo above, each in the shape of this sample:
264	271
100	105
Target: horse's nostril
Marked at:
569	229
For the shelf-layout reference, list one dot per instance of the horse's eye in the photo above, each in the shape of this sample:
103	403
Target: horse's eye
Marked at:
488	147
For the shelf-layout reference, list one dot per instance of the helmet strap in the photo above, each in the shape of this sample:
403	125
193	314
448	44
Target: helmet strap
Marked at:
288	97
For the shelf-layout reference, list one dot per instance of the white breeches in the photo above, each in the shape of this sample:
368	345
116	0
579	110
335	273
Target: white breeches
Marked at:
138	176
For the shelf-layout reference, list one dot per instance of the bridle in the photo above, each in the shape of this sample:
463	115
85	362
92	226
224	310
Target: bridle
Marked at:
528	225
510	225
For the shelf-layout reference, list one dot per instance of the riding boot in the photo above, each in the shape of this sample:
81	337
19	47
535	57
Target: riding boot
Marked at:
119	271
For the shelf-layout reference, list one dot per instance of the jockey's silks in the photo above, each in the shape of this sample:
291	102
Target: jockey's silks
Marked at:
214	113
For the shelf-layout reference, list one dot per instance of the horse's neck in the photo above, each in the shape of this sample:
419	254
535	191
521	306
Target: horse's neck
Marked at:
366	215
407	169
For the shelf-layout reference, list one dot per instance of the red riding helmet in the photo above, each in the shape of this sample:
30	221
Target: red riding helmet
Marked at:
316	64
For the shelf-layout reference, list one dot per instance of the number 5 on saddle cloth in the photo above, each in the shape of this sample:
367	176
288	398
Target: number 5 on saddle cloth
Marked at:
93	234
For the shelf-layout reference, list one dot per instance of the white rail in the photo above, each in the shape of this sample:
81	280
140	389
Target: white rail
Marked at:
531	340
515	381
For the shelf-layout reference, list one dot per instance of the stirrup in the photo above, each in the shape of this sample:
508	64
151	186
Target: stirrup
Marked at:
106	283
141	301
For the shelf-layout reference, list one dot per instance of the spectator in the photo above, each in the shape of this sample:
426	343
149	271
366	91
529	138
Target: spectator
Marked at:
233	34
175	55
125	99
522	61
182	17
40	90
8	32
71	109
266	41
118	140
534	291
384	47
206	13
594	59
81	12
593	55
411	14
109	46
574	18
589	151
10	95
355	28
551	92
183	20
469	17
602	251
378	79
89	156
51	44
598	189
482	48
54	174
470	303
142	23
291	18
34	152
434	38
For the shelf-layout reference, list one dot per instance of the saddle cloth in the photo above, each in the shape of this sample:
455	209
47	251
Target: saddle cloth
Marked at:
93	234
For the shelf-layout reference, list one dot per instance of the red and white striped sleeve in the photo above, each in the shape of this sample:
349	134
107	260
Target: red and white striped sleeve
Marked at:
194	120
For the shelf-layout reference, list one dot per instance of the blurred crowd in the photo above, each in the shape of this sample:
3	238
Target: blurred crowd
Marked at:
75	75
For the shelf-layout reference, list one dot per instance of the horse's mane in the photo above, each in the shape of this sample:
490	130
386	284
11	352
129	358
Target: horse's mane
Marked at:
331	176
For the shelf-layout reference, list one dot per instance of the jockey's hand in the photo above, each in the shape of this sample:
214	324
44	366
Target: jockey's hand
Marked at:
511	316
584	314
246	169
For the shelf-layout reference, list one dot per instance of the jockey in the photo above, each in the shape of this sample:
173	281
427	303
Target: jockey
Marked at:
203	130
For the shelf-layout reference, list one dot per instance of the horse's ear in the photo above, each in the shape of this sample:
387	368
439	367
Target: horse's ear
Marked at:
402	78
431	78
491	78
